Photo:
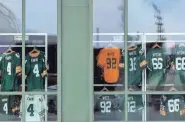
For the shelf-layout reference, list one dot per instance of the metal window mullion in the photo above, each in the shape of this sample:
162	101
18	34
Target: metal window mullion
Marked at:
21	45
91	64
138	92
145	98
59	62
46	78
23	119
126	57
132	34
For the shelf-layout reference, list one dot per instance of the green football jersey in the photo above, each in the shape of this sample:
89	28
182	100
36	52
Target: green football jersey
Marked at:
157	63
172	107
10	64
136	62
5	109
179	65
135	107
106	108
34	67
4	105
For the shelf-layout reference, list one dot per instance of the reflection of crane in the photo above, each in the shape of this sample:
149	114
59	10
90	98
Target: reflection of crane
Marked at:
7	13
159	22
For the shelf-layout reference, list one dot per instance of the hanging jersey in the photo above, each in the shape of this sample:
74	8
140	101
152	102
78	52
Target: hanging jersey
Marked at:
136	62
1	56
109	59
34	67
179	58
5	108
107	108
172	107
179	61
157	63
35	107
4	104
10	65
135	107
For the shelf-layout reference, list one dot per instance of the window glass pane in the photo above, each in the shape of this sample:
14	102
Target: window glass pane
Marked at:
40	108
52	108
135	108
108	48
164	56
11	16
10	45
108	107
165	108
10	106
168	71
136	62
41	45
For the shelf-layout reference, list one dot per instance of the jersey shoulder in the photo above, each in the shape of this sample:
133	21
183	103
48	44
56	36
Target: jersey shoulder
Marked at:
1	56
17	55
42	53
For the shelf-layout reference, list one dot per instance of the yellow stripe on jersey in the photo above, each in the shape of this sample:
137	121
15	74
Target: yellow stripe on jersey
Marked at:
18	69
163	113
121	65
182	112
143	63
44	73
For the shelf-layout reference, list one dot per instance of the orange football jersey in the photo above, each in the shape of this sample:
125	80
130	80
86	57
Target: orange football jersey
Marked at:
108	59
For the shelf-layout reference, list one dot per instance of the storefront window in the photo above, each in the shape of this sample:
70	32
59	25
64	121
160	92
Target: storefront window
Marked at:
28	73
155	58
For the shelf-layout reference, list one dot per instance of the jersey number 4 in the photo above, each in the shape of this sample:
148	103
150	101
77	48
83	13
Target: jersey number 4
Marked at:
36	70
30	109
5	108
9	68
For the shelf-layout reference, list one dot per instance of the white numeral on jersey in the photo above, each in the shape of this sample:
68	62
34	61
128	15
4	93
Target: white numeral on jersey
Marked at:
9	68
5	108
132	64
173	105
131	106
105	106
180	63
157	63
36	70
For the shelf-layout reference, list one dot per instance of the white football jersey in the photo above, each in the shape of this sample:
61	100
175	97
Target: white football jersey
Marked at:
35	106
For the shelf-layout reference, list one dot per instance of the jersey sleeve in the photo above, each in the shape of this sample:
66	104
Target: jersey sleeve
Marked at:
43	62
1	59
20	113
139	102
143	62
163	108
44	68
100	59
44	107
27	65
182	106
18	63
166	62
148	59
